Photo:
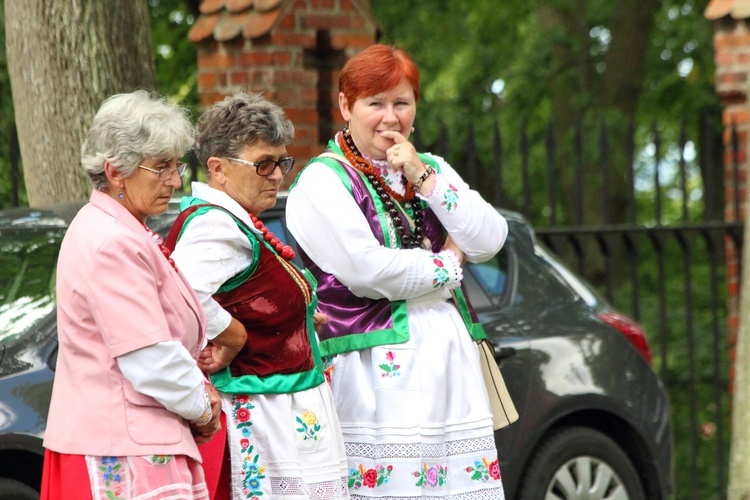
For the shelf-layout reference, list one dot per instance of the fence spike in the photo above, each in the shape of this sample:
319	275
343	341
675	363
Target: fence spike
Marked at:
525	170
629	160
551	174
605	167
497	148
683	170
657	184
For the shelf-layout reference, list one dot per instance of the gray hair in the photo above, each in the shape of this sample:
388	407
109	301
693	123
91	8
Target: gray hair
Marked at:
128	128
238	121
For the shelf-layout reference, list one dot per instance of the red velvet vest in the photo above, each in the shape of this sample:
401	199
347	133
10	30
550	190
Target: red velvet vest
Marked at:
269	299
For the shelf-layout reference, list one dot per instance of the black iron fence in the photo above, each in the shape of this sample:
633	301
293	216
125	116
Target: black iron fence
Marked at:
646	226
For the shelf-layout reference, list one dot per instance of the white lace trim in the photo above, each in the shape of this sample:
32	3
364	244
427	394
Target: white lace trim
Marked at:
489	494
427	451
294	487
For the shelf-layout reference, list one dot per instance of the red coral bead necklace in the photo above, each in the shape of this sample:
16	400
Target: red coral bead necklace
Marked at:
281	248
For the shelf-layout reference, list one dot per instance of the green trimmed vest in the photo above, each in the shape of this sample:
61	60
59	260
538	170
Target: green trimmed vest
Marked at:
275	302
356	323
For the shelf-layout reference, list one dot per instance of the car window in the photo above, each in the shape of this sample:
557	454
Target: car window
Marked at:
492	275
539	287
586	293
518	276
27	279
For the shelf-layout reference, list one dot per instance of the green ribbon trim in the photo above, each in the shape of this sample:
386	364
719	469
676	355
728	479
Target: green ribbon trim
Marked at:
237	279
430	161
273	384
397	334
476	330
279	383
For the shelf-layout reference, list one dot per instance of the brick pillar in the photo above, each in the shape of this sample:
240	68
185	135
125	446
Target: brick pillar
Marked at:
732	57
291	51
269	68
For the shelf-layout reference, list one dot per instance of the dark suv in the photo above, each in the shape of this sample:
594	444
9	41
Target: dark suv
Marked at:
594	417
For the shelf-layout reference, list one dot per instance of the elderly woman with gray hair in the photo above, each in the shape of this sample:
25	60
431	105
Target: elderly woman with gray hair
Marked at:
129	403
283	437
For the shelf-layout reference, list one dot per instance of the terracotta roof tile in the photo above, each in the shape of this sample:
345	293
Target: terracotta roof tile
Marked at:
227	19
203	27
238	5
266	5
211	6
737	9
229	26
259	23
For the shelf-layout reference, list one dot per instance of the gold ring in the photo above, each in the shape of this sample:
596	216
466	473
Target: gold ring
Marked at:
395	149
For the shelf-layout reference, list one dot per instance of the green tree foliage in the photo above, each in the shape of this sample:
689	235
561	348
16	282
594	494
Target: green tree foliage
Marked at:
529	63
483	64
175	55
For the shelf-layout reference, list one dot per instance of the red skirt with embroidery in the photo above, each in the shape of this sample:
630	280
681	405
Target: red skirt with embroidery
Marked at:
89	477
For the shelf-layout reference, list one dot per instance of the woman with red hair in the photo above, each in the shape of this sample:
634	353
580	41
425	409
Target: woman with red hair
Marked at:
385	230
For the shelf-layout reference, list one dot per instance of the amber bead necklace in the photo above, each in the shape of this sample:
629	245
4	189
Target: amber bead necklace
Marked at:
388	195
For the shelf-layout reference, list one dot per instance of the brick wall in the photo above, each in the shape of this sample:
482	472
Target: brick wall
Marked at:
732	57
281	63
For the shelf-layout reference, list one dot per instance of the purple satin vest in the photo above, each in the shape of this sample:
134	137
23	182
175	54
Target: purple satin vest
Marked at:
347	313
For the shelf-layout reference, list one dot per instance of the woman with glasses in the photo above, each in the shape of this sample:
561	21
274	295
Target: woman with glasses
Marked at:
129	402
283	438
386	230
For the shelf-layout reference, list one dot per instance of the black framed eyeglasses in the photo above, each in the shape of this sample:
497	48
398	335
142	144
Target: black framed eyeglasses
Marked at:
266	167
166	173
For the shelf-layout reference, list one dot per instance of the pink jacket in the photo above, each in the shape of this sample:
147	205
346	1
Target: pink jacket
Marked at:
116	292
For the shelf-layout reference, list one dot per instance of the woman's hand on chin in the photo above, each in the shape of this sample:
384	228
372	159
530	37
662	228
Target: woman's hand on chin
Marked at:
403	155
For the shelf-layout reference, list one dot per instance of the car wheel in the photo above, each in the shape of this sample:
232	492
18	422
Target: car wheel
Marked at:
11	489
580	463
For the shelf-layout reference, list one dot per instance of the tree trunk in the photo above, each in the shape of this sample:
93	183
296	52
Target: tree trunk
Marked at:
584	94
64	58
630	28
739	449
579	91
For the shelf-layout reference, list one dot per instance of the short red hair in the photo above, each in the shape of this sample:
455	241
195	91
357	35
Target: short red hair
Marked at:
376	69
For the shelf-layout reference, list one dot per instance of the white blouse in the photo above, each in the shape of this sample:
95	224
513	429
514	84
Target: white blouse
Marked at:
331	229
213	250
